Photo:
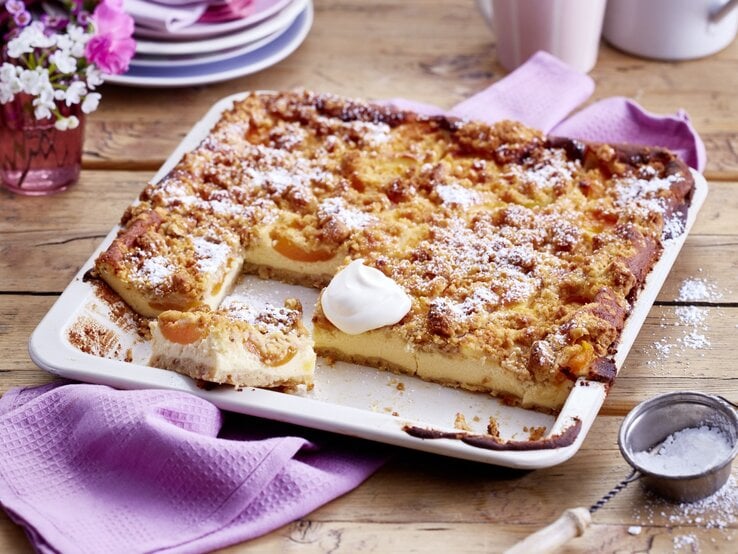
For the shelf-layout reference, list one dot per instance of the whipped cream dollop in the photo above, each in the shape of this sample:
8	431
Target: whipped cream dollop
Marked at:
361	298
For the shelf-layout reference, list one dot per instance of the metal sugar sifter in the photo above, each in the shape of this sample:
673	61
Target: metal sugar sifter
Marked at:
645	427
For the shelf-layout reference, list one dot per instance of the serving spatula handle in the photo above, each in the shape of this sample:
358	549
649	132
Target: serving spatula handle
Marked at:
570	524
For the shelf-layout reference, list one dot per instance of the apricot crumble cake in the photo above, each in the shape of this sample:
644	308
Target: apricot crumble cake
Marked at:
236	344
520	255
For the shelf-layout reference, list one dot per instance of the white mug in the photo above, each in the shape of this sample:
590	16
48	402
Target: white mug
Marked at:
568	29
671	29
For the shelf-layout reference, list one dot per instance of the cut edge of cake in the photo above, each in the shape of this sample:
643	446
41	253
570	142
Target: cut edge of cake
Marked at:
236	345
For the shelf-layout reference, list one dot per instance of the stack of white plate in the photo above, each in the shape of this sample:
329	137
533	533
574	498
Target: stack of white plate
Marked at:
211	52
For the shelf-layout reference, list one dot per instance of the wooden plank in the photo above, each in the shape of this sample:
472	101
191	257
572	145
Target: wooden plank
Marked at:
451	56
12	537
313	538
310	537
43	253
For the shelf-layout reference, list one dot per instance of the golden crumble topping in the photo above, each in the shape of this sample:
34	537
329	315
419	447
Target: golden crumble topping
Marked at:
514	247
273	333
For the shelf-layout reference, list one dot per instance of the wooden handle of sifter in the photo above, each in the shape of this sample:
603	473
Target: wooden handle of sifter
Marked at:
570	524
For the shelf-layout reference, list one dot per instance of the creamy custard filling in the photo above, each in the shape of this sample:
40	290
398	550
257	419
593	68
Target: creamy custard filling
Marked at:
236	344
385	349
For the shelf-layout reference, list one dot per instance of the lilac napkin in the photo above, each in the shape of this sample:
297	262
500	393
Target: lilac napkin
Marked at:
86	468
165	16
176	15
544	90
233	9
622	120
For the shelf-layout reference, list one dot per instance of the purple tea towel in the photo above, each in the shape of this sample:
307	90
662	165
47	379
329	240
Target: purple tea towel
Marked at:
90	469
539	93
544	90
622	120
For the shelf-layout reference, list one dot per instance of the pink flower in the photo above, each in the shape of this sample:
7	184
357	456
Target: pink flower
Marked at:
111	48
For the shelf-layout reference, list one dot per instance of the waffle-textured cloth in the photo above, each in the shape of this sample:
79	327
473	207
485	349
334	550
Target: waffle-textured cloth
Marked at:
89	469
544	90
85	468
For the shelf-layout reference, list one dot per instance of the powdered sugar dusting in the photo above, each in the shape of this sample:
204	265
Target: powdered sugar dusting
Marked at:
508	267
479	300
632	189
267	317
685	541
692	321
718	512
278	178
698	290
372	133
350	217
155	270
695	340
544	176
279	173
691	315
673	227
643	194
687	452
456	195
211	256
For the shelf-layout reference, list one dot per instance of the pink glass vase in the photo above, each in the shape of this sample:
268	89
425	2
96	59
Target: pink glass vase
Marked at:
36	158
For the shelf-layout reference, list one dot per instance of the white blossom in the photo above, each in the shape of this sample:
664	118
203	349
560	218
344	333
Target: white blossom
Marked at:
44	102
64	62
34	80
67	123
10	85
94	77
30	38
20	45
6	94
9	73
36	60
90	103
79	38
75	92
41	111
77	33
64	42
62	124
38	37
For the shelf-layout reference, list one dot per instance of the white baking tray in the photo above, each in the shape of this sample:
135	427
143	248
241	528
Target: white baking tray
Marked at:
347	398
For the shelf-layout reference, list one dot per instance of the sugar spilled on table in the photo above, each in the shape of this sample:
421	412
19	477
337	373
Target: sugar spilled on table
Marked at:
692	321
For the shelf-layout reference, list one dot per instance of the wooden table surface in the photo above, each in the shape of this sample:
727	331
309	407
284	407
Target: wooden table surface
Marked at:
438	52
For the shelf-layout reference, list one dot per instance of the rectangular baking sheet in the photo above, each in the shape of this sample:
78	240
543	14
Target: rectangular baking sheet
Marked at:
347	398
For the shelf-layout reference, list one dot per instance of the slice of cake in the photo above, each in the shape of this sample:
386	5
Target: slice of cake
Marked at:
236	344
166	261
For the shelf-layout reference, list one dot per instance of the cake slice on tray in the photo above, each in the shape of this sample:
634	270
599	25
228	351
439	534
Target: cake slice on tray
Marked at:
236	344
168	261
